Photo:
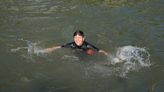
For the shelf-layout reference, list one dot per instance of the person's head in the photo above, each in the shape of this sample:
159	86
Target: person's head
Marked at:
78	37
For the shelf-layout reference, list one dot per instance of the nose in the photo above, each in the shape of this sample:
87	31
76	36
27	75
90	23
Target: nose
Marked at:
79	39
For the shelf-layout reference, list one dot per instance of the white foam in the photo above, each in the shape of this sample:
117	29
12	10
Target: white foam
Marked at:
18	48
127	58
33	48
134	54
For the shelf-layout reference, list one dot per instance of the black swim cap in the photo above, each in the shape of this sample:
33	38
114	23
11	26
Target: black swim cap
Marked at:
78	32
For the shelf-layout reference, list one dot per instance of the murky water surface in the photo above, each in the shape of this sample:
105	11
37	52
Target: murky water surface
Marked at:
133	32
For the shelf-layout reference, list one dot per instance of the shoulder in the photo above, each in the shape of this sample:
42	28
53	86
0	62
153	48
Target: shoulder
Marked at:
68	44
85	42
89	45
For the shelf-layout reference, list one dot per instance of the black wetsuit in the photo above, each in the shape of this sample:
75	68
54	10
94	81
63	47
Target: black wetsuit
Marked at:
84	47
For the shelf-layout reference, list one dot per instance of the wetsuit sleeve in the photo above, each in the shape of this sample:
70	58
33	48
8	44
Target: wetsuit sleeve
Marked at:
68	45
92	46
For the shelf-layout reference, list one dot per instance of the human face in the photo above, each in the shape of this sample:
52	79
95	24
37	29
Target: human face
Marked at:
78	40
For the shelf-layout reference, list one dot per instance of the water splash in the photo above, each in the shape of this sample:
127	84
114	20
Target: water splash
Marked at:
31	48
131	54
126	59
134	58
18	48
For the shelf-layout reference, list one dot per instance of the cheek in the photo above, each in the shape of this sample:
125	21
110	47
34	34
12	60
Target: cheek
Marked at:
80	40
76	40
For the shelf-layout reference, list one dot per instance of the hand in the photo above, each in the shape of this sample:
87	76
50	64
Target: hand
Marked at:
104	52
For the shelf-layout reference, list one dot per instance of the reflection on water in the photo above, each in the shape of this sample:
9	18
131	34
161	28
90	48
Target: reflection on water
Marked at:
131	31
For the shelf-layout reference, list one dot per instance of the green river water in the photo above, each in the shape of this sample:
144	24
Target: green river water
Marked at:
131	30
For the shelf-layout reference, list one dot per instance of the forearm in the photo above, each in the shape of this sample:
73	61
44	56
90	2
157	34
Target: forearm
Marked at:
51	49
56	47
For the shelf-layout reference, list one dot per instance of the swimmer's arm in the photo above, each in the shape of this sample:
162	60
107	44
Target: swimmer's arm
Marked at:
51	49
97	49
57	47
103	52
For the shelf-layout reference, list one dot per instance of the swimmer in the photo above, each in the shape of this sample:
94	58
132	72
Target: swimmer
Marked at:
79	43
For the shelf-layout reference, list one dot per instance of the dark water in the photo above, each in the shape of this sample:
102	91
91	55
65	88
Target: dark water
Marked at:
132	31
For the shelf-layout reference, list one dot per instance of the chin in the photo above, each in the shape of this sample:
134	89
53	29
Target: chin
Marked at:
79	44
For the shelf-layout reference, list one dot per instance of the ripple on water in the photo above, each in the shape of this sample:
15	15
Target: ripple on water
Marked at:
127	58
